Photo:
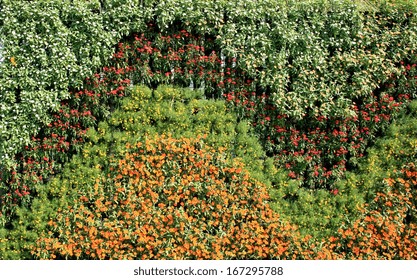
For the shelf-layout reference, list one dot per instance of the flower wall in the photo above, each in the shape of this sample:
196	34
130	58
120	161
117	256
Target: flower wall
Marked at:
300	92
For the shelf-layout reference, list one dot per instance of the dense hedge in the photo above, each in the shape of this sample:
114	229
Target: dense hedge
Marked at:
374	182
317	93
50	47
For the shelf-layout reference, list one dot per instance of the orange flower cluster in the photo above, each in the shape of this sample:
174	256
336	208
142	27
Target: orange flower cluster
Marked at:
388	228
170	198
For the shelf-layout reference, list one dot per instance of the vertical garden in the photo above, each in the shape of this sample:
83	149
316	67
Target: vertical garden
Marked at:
140	129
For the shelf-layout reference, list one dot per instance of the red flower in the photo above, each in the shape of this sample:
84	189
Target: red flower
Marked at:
292	175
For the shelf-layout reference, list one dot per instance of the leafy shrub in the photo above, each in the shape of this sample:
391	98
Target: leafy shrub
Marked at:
94	201
55	144
317	213
318	88
184	112
145	112
317	93
388	155
344	205
336	98
50	48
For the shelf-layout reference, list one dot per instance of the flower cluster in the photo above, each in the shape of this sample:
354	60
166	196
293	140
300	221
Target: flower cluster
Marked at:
167	198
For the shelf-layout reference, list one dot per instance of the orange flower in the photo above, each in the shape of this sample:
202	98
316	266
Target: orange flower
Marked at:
13	61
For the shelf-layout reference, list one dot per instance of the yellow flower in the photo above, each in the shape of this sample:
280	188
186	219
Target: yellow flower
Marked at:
13	61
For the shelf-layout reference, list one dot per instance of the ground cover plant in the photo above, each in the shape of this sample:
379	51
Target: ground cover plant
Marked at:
299	97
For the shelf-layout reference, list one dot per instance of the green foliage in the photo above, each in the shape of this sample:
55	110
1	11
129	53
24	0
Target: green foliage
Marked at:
331	209
389	155
311	58
318	213
17	241
49	47
185	113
